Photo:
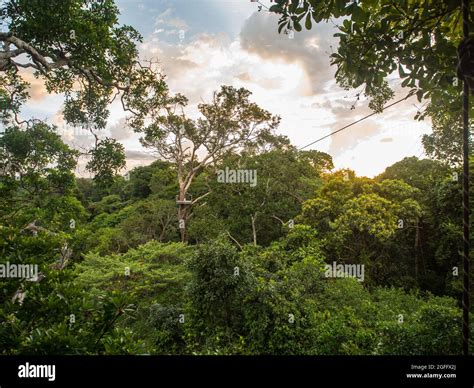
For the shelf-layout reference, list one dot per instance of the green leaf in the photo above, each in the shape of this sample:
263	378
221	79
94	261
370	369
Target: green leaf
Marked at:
308	24
280	27
358	15
275	8
297	26
401	72
419	95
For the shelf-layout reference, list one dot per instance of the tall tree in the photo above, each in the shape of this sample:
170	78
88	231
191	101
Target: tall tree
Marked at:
229	123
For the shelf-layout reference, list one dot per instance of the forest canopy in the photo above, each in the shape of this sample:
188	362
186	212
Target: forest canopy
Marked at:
222	244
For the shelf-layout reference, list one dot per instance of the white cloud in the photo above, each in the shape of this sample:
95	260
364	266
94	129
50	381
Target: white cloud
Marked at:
308	49
120	130
165	20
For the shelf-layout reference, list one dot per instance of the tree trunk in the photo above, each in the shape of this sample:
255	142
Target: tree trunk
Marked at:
254	230
183	221
183	212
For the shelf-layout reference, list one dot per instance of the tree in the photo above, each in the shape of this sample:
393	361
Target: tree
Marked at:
157	178
445	142
151	219
229	123
260	213
364	222
37	179
78	49
108	157
219	274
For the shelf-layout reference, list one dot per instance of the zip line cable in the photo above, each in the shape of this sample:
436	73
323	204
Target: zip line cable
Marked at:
357	121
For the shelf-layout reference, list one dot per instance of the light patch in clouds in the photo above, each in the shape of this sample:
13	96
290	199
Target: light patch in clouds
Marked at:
169	24
309	49
177	23
342	142
120	130
137	158
75	137
139	155
343	112
37	89
397	137
243	77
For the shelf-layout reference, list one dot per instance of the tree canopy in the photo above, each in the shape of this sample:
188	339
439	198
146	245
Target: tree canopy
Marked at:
233	241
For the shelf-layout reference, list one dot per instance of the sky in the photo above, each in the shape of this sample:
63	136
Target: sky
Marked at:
203	44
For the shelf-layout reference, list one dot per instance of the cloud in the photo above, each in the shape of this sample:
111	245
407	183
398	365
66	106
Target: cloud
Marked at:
309	49
139	155
177	23
344	109
285	75
205	62
75	137
136	158
162	17
120	130
165	21
243	77
348	139
37	89
58	119
259	57
344	112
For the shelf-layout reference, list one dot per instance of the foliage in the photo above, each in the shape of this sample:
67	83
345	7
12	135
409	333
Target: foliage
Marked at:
250	275
78	49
